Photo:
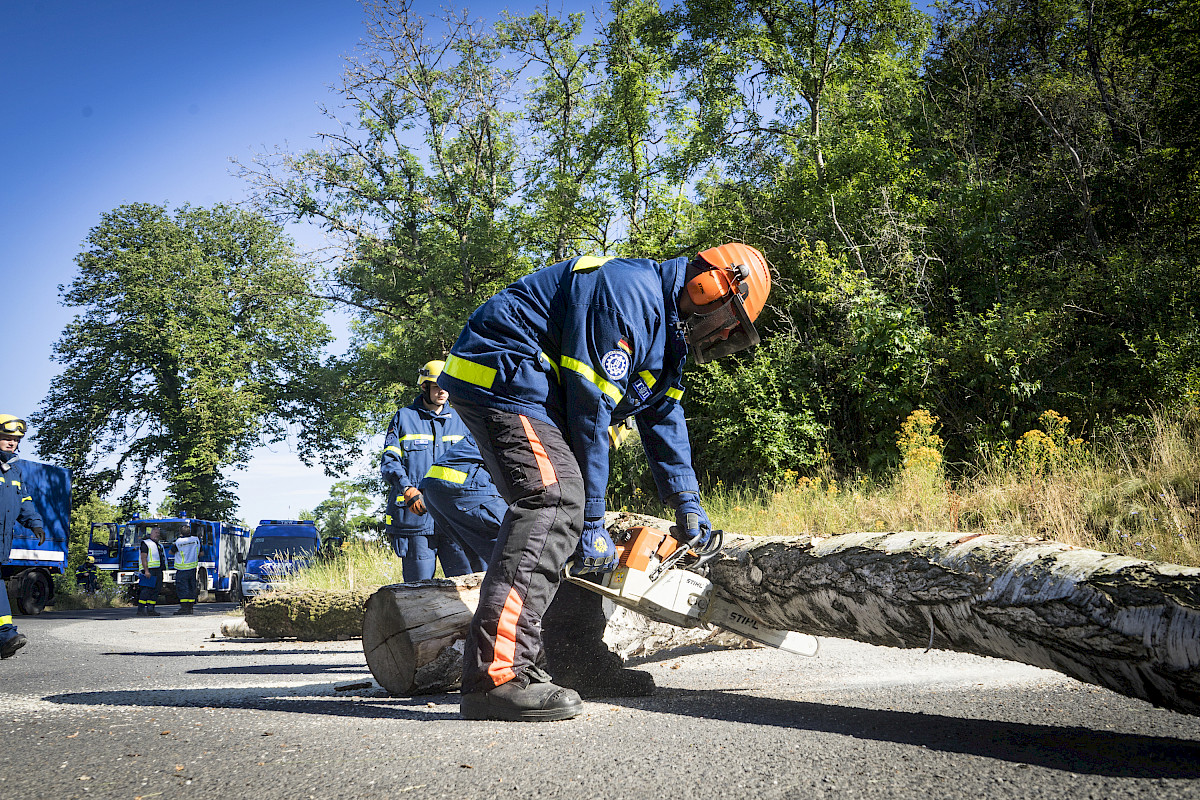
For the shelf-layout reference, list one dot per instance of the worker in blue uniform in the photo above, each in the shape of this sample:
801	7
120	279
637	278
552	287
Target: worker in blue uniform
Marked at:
538	375
16	506
464	502
152	561
417	436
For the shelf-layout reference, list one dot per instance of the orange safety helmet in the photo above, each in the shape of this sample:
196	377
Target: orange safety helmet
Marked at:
734	275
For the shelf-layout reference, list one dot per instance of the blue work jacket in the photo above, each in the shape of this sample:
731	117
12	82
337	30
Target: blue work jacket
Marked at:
416	437
461	471
16	505
585	344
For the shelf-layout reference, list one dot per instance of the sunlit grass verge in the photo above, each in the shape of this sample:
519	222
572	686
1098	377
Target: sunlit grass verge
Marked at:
359	566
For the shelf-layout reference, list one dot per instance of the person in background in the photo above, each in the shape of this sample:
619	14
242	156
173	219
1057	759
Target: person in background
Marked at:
417	436
463	501
16	506
538	375
187	561
152	559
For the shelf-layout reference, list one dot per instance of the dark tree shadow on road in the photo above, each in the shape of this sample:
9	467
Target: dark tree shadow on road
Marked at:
315	698
1072	749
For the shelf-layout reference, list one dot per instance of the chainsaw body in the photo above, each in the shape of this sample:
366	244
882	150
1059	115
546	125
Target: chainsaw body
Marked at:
653	579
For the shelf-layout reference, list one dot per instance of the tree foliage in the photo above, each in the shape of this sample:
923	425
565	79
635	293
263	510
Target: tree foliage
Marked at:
195	341
987	212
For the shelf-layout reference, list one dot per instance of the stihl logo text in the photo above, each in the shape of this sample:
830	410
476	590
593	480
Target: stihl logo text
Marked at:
738	618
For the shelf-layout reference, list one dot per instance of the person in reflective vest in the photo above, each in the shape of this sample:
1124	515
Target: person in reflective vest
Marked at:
16	506
460	496
539	374
416	437
151	559
187	561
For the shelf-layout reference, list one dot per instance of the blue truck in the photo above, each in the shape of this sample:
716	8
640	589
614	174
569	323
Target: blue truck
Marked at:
222	548
31	567
278	547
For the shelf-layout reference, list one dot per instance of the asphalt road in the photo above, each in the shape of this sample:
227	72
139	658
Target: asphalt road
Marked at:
105	704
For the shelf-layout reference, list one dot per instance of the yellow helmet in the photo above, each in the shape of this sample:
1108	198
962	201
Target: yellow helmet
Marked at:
430	372
12	426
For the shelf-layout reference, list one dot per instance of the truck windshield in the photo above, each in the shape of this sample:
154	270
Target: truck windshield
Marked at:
291	546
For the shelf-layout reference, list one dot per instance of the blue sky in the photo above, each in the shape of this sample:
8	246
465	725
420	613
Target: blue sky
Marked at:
107	102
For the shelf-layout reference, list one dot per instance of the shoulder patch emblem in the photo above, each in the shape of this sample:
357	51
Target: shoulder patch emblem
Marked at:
616	364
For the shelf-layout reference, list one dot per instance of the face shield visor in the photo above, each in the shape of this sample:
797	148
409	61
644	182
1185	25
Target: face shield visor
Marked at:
722	332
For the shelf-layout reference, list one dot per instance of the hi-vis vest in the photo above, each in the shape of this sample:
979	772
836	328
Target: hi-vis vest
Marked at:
187	552
152	560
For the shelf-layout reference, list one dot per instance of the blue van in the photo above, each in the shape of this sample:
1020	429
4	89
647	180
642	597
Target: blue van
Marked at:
278	547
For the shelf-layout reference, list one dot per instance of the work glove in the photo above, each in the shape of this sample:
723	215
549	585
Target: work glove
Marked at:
690	518
40	534
596	552
413	500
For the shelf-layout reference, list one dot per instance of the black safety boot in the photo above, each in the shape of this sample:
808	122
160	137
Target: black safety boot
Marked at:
152	613
576	656
141	612
10	648
183	611
529	697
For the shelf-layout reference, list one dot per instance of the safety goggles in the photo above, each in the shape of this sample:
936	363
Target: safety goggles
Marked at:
719	333
13	427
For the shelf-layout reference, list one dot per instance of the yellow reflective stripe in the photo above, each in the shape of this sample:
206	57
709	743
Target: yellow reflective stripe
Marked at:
553	365
186	564
589	263
412	437
446	474
24	499
454	437
675	394
469	371
648	377
387	519
17	484
6	620
394	449
589	373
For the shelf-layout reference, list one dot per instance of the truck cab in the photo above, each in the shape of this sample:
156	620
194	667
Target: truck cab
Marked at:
277	548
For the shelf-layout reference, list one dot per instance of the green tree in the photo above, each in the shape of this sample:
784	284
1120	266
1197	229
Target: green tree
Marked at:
346	513
196	341
413	186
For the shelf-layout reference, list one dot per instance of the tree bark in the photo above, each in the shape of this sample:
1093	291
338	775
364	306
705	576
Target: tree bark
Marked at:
413	634
1129	625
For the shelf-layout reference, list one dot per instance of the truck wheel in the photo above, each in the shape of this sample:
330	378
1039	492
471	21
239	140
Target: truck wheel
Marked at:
202	594
33	592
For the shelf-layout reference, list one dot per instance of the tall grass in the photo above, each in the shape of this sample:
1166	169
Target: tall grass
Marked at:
360	565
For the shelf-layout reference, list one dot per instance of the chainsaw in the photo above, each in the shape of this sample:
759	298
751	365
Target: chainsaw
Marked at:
663	579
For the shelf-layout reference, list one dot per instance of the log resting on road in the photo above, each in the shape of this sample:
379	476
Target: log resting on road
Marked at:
1127	624
413	634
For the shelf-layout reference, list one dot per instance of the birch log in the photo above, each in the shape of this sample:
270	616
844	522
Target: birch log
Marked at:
1130	625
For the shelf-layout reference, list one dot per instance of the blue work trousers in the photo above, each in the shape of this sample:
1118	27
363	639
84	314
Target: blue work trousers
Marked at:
471	520
148	595
7	629
186	587
421	554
